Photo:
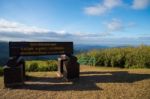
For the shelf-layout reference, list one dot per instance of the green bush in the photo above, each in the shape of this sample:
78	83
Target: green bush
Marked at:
128	57
41	65
52	68
33	67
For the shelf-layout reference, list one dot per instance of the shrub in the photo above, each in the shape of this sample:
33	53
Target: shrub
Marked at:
41	65
33	67
42	68
52	66
128	57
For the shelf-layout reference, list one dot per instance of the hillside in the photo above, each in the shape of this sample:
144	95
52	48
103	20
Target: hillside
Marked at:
4	52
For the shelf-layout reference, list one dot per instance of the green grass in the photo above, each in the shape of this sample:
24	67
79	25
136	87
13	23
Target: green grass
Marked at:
39	62
37	65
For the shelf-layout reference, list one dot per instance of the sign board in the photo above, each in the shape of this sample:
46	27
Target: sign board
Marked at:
39	48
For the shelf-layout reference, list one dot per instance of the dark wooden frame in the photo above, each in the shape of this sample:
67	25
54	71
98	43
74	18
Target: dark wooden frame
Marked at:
68	66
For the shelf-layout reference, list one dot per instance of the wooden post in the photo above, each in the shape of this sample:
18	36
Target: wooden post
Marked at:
22	62
13	73
60	67
71	68
61	60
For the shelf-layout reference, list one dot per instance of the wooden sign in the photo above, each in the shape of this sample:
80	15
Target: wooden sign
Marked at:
39	48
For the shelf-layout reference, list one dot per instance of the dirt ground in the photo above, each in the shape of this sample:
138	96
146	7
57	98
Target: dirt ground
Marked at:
94	83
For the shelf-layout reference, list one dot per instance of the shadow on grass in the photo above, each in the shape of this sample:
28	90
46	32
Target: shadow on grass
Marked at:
114	77
58	84
86	82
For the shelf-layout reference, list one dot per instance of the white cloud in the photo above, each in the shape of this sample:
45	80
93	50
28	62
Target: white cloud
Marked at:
115	25
10	26
96	10
112	3
103	7
107	5
6	24
118	25
140	4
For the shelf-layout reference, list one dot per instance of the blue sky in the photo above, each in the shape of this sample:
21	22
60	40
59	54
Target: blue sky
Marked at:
111	22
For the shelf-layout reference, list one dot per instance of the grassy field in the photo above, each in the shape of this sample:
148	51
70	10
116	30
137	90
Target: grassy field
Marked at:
41	65
94	83
39	62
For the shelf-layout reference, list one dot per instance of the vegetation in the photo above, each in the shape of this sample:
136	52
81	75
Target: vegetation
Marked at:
129	57
50	65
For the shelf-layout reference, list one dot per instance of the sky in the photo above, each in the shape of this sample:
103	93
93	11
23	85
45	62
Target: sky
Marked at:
102	22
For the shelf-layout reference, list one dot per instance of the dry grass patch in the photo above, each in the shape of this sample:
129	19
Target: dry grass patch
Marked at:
94	83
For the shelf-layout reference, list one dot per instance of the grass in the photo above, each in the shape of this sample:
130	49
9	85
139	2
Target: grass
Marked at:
39	62
94	83
41	65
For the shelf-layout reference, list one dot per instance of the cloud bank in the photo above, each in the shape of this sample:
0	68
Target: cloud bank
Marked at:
15	31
